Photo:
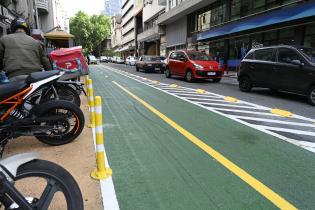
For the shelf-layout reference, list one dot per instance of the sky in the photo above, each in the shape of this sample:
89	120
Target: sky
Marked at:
90	7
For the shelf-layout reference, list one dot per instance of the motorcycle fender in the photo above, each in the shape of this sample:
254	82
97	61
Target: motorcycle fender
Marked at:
12	163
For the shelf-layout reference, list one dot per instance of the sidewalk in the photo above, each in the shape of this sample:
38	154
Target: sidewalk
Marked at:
77	157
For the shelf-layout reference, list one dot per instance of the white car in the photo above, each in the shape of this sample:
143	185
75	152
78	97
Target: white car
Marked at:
119	60
131	61
103	59
92	59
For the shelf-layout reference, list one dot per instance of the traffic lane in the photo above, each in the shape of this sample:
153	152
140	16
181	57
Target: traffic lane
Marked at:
286	168
154	171
229	87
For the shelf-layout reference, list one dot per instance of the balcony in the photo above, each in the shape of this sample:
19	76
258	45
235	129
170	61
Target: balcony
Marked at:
149	34
42	6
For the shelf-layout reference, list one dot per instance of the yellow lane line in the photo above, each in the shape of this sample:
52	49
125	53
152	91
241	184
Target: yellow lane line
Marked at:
242	174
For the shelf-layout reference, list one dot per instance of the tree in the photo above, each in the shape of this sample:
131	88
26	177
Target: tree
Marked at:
90	31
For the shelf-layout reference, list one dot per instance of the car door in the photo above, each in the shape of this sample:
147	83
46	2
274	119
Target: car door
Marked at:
261	69
292	70
181	63
140	62
172	62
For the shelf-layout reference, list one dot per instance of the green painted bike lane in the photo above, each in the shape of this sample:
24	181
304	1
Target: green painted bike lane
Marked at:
155	167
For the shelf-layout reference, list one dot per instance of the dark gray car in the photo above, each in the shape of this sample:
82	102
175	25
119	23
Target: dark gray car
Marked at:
283	67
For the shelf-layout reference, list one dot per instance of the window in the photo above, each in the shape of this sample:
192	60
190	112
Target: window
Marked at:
309	39
250	56
173	56
235	9
265	55
258	5
287	55
245	7
286	36
180	55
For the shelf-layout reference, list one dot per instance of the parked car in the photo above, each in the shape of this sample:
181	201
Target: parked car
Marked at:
131	61
283	67
113	59
103	59
193	65
119	60
150	64
92	59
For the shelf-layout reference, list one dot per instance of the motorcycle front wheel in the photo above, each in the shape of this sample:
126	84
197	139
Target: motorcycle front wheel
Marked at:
60	131
47	185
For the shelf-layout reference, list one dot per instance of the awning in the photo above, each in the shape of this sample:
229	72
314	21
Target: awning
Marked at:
58	35
279	16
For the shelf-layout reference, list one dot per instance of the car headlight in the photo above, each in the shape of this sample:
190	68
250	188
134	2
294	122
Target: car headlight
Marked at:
197	66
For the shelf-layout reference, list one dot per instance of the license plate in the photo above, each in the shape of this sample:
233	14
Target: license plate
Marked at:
157	68
211	73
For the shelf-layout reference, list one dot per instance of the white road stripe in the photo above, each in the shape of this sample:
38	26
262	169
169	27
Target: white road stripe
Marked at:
227	105
275	121
240	111
287	130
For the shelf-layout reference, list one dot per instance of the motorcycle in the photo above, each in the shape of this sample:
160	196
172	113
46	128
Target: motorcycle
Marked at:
55	187
24	112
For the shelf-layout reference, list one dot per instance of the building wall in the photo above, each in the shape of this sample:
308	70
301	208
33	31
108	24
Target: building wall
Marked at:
151	8
128	26
116	37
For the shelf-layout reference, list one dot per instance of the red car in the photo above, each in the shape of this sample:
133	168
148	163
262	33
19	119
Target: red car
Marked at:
193	65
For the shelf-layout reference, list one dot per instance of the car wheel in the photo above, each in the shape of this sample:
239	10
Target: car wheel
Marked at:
311	96
137	68
216	80
167	73
245	84
189	76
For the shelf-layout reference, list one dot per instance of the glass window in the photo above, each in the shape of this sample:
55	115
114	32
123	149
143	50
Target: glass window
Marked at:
286	36
235	9
250	56
273	3
287	55
309	39
173	56
198	56
180	55
265	55
270	38
258	5
245	7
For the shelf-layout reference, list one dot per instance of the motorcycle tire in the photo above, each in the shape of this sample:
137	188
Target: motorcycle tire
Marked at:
51	108
64	92
54	180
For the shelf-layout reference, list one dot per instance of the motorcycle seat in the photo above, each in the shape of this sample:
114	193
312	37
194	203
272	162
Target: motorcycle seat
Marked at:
10	89
38	76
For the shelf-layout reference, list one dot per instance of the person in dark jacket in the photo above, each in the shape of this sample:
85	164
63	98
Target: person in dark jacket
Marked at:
20	54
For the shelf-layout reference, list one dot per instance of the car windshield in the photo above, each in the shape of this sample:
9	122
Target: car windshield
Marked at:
199	56
309	53
92	57
152	58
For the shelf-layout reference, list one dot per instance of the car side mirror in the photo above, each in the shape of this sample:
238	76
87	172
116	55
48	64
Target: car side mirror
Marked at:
297	62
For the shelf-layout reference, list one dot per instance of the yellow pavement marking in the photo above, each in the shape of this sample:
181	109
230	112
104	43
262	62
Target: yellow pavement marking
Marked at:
231	99
282	113
155	82
200	91
242	174
173	85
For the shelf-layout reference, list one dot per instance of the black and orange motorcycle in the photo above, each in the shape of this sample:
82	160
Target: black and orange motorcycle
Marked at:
25	111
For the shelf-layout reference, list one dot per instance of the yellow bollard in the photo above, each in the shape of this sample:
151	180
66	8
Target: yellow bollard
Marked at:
91	103
86	77
101	172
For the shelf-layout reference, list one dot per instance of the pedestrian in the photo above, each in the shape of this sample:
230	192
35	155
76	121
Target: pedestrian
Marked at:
20	54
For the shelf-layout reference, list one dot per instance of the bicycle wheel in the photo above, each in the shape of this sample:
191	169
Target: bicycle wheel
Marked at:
47	185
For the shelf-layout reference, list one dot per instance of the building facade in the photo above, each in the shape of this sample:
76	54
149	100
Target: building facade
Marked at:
149	39
116	37
229	28
112	7
128	28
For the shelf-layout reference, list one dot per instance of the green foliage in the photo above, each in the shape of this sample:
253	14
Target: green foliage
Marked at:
89	31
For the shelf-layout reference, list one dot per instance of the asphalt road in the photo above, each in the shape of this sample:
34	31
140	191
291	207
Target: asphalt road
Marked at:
170	151
229	87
